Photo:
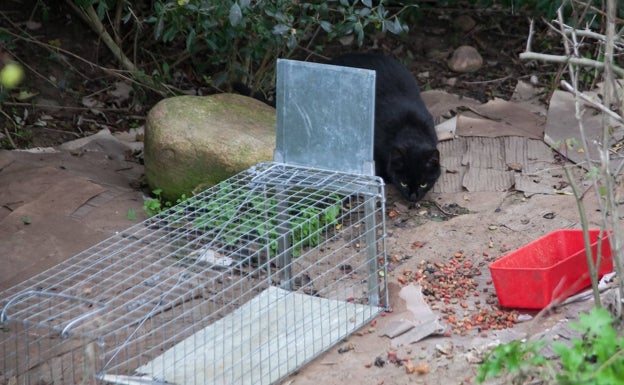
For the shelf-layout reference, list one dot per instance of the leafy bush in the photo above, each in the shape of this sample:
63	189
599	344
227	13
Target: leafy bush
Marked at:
240	40
247	37
596	358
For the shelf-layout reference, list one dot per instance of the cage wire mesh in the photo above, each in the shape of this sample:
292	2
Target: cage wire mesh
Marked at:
240	284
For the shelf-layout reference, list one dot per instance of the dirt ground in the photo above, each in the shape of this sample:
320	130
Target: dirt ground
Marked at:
452	359
54	205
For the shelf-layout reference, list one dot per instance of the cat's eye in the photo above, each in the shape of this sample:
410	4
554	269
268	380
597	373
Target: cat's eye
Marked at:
404	185
424	185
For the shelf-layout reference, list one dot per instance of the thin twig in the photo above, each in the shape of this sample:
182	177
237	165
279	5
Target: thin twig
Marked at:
117	73
77	135
568	60
597	10
530	37
23	33
6	130
587	33
145	81
447	213
568	87
609	179
593	268
489	81
89	15
57	107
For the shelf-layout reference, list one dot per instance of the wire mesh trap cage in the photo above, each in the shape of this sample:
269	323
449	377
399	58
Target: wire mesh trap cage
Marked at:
240	284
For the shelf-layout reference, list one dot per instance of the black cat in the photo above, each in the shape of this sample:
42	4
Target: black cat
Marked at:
405	139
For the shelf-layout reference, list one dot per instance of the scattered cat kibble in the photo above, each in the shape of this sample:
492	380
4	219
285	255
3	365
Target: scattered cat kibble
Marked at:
447	288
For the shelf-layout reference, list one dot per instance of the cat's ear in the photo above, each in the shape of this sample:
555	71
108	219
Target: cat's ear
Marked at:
433	158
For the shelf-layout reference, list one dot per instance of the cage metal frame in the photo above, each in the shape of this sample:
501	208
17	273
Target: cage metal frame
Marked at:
73	301
242	283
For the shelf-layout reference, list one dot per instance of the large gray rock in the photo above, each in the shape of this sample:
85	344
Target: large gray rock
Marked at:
202	140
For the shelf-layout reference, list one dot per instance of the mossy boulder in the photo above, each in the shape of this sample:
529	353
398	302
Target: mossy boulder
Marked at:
202	140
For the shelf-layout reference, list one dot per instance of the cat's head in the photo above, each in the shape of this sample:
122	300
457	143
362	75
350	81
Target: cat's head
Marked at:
413	169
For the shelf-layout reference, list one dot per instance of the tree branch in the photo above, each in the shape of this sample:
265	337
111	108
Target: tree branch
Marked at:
568	87
568	60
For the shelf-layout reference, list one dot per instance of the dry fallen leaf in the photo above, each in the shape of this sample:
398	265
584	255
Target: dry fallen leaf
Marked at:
120	91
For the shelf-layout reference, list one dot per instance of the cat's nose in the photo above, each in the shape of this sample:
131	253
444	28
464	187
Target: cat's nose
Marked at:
414	197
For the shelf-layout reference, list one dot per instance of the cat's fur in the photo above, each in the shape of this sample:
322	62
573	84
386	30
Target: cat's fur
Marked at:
405	150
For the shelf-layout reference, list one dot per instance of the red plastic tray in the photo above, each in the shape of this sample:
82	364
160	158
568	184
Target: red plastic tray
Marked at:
552	267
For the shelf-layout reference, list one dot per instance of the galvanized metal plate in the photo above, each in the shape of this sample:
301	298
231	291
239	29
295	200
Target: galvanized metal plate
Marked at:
325	116
287	329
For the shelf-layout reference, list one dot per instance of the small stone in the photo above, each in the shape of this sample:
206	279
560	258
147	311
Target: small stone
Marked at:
464	23
549	215
445	349
465	59
423	75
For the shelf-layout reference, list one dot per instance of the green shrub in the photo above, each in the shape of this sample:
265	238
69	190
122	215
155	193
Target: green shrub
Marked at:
245	38
239	40
157	204
596	358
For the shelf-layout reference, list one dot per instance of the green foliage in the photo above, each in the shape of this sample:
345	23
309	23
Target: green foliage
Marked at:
517	358
16	125
154	205
237	214
566	145
240	40
157	204
247	37
597	358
